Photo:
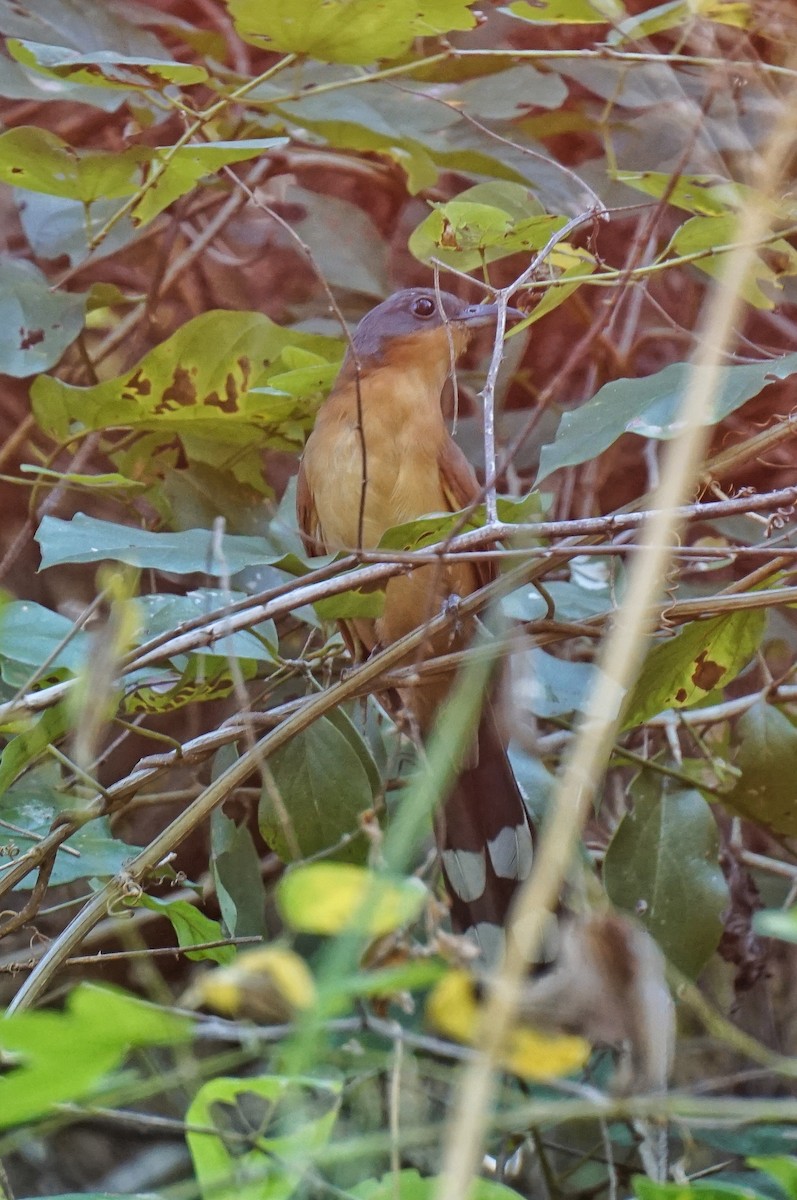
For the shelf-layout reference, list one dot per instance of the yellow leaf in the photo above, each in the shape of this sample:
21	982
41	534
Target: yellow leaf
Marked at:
452	1007
329	897
269	985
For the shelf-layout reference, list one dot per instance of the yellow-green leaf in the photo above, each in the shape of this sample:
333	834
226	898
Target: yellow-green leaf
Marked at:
453	1009
327	898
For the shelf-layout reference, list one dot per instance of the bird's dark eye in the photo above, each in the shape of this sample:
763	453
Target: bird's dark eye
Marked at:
424	307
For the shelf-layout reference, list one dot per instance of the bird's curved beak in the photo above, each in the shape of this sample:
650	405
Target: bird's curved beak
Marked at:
476	315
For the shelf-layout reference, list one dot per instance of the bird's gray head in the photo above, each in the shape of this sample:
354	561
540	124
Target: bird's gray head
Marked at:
412	314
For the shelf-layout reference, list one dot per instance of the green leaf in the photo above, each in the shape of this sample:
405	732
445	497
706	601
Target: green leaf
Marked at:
111	481
679	13
21	751
484	223
347	605
205	677
209	384
567	12
41	161
104	68
177	171
31	634
781	1168
328	898
647	1189
192	927
649	408
662	865
322	789
85	539
770	264
56	225
236	872
347	31
705	194
777	923
99	1025
290	1117
32	805
166	613
36	323
683	671
410	1185
767	760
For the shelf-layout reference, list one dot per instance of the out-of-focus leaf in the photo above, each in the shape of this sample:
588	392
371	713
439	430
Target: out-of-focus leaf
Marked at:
567	12
192	927
111	481
684	670
548	686
777	923
453	1008
320	790
662	865
767	760
85	26
662	17
649	408
293	1116
270	985
99	1025
782	1168
347	31
36	323
648	1189
410	1185
328	898
347	246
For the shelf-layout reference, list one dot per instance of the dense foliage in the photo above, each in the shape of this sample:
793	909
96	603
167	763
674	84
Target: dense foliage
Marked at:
199	198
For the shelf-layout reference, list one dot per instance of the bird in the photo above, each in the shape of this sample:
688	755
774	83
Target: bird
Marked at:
379	455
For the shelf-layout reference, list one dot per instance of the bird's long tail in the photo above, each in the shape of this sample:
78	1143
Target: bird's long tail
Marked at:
485	837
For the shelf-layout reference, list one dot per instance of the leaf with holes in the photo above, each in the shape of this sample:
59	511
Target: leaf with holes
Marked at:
36	322
211	385
293	1117
104	68
684	671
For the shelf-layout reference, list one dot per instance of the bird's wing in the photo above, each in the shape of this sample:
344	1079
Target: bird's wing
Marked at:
461	488
307	516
